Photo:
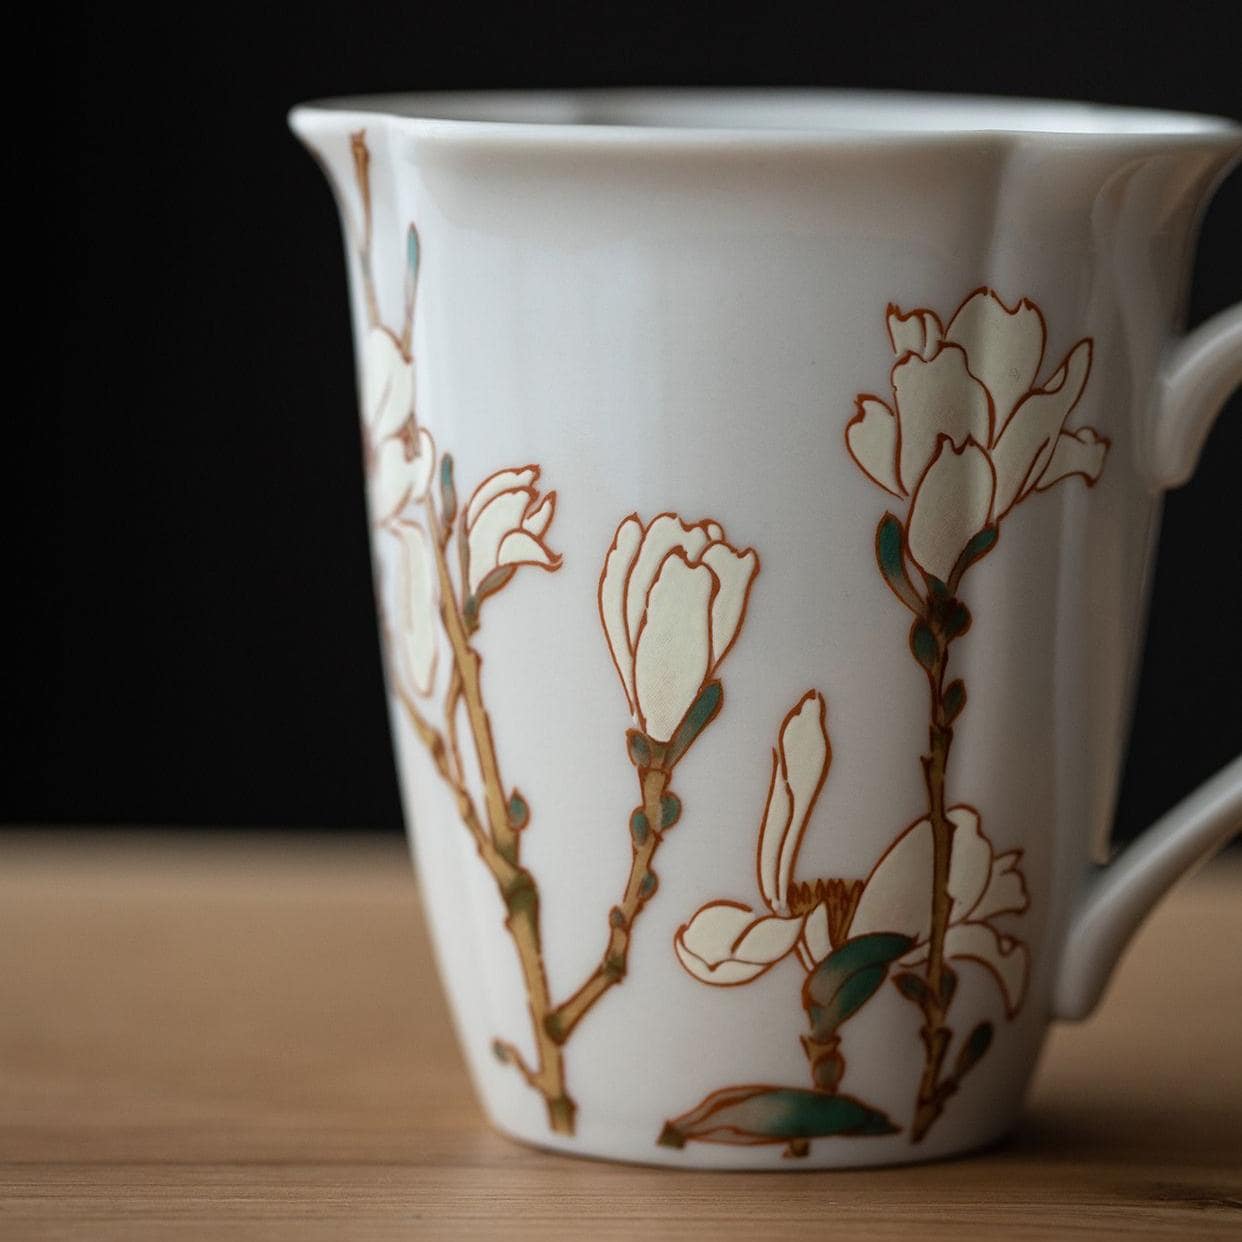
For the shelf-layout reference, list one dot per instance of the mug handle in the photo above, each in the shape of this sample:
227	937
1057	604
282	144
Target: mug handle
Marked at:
1199	374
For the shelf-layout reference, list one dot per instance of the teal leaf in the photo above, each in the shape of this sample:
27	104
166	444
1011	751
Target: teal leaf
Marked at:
890	555
448	490
493	581
954	700
948	985
638	746
753	1115
411	249
977	548
702	712
847	978
971	1052
519	811
913	987
640	826
923	645
670	810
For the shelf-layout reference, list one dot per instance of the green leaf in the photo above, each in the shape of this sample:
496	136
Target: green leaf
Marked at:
640	826
971	1052
519	812
702	712
978	547
746	1116
448	491
670	810
923	645
847	978
913	987
954	700
890	555
638	746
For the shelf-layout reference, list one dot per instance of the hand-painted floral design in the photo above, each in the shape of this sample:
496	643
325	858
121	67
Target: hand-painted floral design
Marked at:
728	945
687	588
672	597
969	432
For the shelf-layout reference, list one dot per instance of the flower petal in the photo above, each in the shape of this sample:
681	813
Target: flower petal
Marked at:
805	756
502	514
871	438
665	533
617	565
519	547
919	332
815	933
517	479
538	519
387	385
673	650
952	505
423	464
408	604
1024	447
1006	889
1075	452
735	572
1003	347
1008	959
777	813
390	479
935	398
896	896
726	944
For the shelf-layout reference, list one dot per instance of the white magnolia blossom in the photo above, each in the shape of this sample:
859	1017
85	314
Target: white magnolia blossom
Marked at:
400	455
505	523
671	598
728	943
408	600
969	431
983	885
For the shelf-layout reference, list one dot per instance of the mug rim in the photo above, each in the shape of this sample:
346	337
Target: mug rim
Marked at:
763	117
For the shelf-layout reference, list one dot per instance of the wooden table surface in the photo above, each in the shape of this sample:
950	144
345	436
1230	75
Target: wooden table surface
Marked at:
218	1038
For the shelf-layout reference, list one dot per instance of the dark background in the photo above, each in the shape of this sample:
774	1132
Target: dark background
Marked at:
195	632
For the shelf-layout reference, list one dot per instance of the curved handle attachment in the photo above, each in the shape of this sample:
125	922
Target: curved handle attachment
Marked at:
1121	895
1201	371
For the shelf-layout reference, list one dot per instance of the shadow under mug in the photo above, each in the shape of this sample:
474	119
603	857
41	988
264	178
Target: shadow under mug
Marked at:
763	489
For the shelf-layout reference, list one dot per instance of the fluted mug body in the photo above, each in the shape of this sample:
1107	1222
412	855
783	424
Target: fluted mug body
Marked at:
763	494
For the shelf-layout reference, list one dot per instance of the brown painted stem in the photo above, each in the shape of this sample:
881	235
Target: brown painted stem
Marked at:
500	852
639	888
935	1035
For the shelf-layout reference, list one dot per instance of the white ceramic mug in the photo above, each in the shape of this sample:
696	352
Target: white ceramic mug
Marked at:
764	489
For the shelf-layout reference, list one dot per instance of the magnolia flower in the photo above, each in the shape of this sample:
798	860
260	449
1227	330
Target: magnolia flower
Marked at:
400	455
969	432
728	943
725	942
671	598
983	885
505	522
407	590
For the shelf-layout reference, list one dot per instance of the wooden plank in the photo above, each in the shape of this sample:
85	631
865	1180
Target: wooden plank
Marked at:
242	1037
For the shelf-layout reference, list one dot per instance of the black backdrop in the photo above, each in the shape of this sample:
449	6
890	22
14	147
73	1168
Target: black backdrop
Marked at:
198	638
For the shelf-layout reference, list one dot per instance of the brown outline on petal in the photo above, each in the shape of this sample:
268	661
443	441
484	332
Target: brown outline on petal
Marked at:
735	905
860	416
599	603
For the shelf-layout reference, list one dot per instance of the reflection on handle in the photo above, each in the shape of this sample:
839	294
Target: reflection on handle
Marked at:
1123	893
1201	372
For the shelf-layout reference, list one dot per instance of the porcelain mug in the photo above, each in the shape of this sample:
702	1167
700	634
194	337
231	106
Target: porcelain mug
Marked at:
763	490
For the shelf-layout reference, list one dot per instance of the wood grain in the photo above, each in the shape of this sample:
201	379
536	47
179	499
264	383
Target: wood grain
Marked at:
220	1038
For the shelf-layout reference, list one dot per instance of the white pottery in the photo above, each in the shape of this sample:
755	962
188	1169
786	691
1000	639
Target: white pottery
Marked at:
779	316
